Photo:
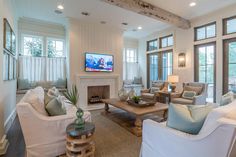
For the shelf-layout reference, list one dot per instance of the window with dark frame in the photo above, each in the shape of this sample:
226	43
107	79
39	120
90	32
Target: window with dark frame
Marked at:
152	45
229	25
166	41
160	65
204	65
205	32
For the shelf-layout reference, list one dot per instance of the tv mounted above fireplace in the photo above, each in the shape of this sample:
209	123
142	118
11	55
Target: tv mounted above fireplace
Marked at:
95	62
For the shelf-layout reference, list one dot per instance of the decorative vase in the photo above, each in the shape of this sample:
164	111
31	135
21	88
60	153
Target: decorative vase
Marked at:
132	93
79	121
123	95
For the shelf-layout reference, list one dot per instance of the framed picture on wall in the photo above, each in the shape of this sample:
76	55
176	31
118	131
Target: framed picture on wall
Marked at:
11	68
15	69
5	66
13	43
7	38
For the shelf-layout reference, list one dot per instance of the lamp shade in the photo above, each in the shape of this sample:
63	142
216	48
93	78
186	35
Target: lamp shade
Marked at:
173	78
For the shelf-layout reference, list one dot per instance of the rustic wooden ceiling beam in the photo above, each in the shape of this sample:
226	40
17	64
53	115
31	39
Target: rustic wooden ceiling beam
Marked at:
152	11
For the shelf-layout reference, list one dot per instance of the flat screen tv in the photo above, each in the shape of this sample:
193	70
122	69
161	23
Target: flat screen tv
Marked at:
99	62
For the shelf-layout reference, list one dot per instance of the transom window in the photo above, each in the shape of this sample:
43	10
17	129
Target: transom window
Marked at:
55	47
32	46
152	45
229	25
205	31
166	41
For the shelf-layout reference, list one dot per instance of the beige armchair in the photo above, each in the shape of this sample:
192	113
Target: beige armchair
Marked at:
151	94
199	99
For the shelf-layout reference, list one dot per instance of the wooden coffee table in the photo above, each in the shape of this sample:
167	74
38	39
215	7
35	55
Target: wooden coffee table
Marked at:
137	111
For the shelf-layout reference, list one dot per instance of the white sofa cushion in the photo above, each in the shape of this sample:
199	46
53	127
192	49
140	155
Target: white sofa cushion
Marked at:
35	97
227	111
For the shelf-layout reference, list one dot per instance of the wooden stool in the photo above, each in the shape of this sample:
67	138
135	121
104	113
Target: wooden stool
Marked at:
80	141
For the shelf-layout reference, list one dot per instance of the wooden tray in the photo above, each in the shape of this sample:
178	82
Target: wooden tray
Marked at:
141	103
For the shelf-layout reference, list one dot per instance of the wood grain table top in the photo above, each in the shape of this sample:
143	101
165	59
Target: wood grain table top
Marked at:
136	110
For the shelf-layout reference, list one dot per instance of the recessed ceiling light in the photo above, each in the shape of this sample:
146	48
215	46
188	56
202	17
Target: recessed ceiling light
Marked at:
192	4
85	13
140	27
57	11
103	22
60	6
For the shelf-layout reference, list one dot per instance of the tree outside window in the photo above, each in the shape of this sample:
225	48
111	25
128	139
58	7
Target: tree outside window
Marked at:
32	46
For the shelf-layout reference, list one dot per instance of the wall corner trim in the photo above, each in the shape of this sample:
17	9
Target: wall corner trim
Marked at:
8	123
3	145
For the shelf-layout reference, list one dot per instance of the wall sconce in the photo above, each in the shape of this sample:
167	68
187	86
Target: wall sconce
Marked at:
182	60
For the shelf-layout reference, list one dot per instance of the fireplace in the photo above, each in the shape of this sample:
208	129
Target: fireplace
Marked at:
96	93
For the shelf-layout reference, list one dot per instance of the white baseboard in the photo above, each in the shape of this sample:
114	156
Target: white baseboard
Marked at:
3	145
9	121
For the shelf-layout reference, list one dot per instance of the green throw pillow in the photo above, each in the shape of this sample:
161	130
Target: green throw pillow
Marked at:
47	98
227	99
189	94
188	118
55	108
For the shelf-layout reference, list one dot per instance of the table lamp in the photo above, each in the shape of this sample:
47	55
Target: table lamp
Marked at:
173	79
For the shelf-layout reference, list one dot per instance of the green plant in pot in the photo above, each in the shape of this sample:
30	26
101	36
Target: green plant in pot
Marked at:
73	97
136	99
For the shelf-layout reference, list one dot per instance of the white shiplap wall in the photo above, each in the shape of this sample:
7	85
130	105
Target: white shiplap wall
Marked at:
97	38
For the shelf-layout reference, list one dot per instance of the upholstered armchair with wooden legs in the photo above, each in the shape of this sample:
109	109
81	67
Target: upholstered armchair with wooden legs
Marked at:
199	99
151	94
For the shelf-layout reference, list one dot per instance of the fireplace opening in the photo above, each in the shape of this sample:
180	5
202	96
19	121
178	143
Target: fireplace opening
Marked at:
96	93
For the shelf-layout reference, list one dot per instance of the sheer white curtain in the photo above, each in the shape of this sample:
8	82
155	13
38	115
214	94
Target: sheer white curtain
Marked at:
37	69
130	64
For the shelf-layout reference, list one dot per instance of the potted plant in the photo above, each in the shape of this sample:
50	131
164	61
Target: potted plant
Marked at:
72	96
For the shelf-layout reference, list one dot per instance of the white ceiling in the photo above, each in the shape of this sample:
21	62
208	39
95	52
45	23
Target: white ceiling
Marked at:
114	16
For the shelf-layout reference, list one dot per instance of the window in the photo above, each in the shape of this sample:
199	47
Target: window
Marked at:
167	66
205	67
32	46
205	31
130	64
229	25
166	41
39	63
160	65
229	65
152	45
55	48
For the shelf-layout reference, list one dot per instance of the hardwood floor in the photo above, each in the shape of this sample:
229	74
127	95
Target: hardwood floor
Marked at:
16	140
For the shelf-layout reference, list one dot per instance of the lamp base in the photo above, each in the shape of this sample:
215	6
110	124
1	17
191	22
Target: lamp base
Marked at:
172	87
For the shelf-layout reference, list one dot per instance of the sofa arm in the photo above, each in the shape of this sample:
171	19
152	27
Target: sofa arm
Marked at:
145	91
199	100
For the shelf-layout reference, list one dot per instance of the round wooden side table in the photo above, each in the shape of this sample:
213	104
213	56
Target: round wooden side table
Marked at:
80	141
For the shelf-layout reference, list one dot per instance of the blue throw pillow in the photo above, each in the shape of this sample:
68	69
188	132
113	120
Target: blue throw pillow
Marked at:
189	94
55	108
227	99
188	118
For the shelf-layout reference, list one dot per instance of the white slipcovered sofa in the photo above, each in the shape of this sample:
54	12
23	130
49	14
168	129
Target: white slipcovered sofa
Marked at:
216	138
44	136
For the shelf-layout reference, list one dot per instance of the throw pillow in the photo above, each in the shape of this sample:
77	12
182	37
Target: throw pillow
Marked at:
189	94
227	98
34	99
54	92
187	118
154	90
160	85
23	84
47	98
198	90
137	80
55	108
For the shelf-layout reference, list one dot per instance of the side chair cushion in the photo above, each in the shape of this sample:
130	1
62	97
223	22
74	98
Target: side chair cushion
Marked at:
198	90
187	118
189	94
154	90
